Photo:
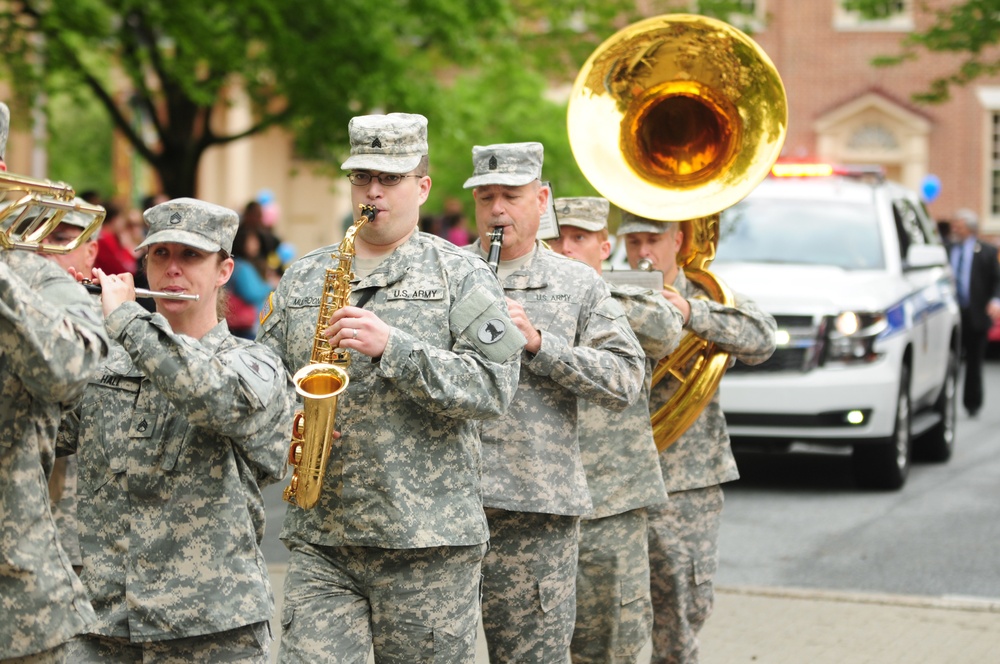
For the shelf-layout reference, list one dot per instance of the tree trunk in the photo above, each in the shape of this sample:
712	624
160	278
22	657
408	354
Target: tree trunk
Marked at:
178	170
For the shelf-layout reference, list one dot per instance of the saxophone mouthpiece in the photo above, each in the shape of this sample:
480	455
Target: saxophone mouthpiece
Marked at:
368	211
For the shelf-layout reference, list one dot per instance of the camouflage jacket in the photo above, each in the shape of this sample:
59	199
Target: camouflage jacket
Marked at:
702	456
51	344
174	440
531	458
619	455
406	472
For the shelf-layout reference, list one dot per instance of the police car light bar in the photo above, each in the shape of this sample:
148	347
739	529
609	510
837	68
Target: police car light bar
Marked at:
804	170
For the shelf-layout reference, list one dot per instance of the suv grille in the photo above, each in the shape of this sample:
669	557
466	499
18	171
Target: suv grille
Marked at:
800	353
784	359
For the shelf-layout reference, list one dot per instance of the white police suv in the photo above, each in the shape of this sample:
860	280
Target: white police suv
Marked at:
854	271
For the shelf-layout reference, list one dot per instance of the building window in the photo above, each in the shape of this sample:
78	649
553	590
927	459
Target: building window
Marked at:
747	15
895	16
873	137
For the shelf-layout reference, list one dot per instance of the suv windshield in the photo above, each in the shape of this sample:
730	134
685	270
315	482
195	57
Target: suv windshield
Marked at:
835	233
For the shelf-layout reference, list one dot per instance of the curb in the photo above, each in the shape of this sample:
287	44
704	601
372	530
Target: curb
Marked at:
956	603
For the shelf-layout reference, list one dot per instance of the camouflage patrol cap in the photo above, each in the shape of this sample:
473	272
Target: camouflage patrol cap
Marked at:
587	212
192	222
77	218
633	223
511	164
392	143
4	128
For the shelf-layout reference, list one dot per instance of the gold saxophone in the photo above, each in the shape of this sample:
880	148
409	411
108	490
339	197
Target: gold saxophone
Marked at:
322	380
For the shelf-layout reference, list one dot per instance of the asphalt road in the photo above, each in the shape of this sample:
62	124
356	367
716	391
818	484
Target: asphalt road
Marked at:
798	521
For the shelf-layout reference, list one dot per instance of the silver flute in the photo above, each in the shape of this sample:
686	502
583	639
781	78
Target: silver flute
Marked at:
143	293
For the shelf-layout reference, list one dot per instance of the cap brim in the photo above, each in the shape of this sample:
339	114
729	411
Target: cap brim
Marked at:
586	225
382	163
505	179
642	227
181	237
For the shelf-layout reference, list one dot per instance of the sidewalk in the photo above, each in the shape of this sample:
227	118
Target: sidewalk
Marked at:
794	626
784	626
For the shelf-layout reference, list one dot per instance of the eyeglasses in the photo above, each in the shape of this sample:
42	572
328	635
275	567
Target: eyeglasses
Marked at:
361	178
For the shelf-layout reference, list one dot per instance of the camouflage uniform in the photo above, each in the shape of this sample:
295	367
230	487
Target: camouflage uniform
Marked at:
174	440
50	345
613	609
534	481
683	534
62	494
391	554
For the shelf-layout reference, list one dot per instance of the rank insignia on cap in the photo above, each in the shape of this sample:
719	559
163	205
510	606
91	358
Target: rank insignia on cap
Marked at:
175	218
491	331
493	163
376	143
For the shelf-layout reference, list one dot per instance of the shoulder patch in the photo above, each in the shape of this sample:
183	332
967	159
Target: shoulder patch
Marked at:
268	307
492	331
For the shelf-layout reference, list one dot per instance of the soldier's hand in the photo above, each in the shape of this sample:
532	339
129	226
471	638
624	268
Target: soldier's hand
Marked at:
520	318
115	289
679	301
360	329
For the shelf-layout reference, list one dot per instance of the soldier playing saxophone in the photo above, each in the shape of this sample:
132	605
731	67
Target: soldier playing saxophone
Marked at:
390	556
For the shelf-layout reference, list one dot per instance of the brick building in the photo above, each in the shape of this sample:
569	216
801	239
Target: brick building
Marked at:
843	110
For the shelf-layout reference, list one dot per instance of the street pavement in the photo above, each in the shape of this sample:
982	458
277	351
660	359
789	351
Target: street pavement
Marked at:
792	626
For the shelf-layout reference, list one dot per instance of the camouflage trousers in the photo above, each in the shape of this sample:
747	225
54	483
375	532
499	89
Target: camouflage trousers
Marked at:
614	615
529	583
55	655
683	557
243	645
411	605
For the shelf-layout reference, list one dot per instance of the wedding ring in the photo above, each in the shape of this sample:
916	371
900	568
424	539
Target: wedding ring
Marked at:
355	333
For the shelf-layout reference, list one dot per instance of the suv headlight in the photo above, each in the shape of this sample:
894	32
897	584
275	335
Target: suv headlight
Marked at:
851	337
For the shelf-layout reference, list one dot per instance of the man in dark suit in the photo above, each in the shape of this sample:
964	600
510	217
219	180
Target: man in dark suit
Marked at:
977	277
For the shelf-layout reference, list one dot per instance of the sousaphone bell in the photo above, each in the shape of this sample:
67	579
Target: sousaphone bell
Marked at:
676	118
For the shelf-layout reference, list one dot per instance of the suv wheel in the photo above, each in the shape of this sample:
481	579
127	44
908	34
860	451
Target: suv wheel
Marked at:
885	464
939	442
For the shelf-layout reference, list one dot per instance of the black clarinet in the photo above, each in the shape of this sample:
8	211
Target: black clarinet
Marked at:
496	240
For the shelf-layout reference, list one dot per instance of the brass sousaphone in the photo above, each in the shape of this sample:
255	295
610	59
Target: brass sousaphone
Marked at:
676	118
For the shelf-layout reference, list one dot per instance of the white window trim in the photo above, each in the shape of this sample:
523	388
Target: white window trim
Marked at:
989	98
846	21
755	22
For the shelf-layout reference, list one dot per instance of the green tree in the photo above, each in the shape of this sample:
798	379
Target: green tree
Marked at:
305	64
970	29
161	69
81	129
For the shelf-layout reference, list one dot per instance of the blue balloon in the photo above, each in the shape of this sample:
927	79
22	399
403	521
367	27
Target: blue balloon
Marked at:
930	188
265	196
286	252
